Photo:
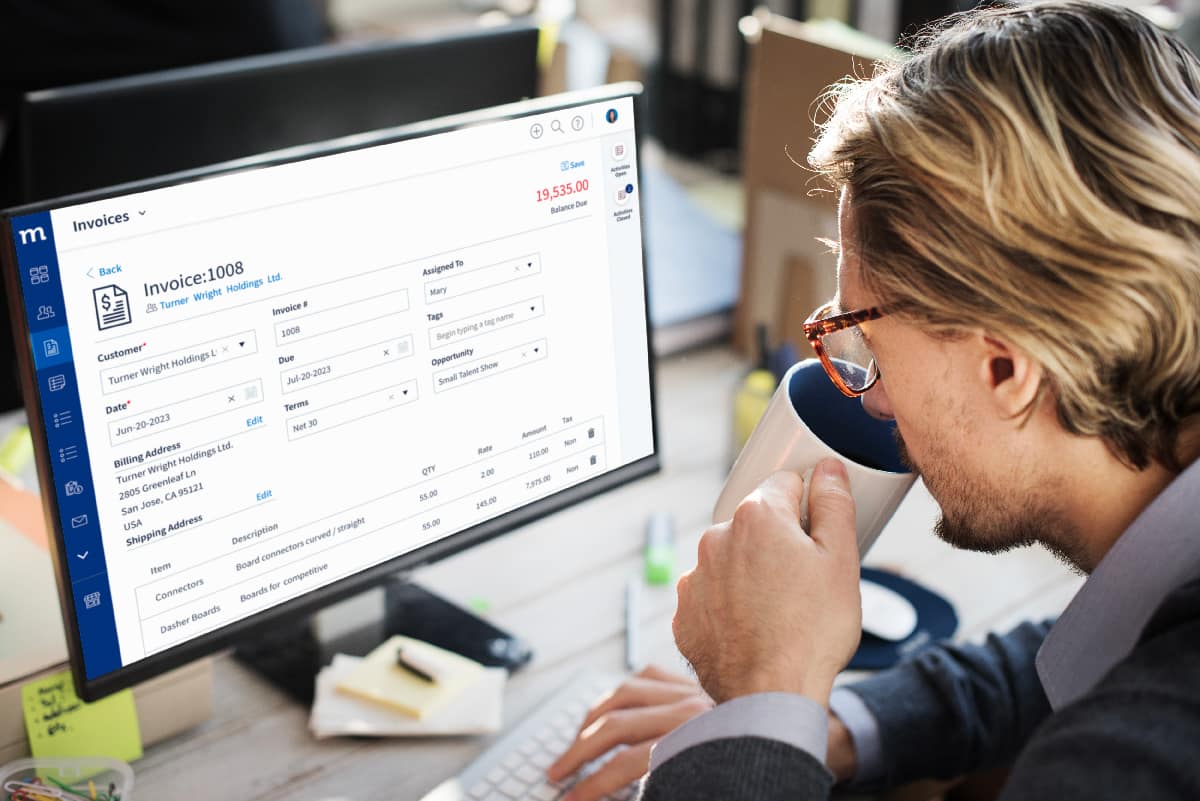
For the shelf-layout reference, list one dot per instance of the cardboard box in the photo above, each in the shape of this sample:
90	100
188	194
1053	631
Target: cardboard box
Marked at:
786	272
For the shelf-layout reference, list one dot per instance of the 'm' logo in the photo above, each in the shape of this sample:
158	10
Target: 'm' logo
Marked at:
28	235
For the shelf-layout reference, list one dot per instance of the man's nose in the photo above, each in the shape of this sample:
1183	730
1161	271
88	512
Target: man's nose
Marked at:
876	402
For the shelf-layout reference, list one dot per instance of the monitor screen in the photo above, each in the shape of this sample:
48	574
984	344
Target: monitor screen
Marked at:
257	391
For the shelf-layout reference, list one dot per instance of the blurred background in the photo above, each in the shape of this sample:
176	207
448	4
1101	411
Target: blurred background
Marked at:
731	220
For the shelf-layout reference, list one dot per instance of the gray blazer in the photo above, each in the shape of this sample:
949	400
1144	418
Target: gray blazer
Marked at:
959	709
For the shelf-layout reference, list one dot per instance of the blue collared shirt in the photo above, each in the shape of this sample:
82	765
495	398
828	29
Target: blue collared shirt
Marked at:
1098	629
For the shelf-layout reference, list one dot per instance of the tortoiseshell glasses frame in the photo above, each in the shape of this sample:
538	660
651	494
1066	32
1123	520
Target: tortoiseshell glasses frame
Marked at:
819	325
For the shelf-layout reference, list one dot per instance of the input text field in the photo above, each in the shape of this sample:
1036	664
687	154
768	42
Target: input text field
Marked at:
483	278
177	362
340	318
316	421
344	364
185	412
486	322
469	372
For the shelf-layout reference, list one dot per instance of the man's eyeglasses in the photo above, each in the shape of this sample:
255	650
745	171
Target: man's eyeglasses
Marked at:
839	342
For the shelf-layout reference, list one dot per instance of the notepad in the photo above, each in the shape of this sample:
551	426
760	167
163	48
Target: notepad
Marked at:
380	680
478	709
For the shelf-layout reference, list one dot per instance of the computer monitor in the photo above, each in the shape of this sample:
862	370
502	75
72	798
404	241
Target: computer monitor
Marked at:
256	392
107	133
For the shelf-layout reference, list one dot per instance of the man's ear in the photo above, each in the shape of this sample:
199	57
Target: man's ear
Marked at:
1010	376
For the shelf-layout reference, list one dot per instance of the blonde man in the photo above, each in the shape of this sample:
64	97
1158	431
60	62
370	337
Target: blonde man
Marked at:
1020	258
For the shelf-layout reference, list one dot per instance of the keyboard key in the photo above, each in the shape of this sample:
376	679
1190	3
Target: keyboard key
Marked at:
544	792
530	747
494	796
547	734
496	775
528	774
541	760
480	790
513	761
513	788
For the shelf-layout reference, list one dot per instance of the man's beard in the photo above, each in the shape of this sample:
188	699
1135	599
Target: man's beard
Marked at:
973	518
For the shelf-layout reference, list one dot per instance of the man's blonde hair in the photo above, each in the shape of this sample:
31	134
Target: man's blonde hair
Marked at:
1035	172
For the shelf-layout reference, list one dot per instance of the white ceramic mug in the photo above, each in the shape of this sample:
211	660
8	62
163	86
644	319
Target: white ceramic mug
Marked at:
808	420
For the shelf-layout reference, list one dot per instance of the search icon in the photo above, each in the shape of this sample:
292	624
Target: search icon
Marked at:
556	126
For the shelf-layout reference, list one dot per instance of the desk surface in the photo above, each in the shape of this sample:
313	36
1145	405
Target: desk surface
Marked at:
560	585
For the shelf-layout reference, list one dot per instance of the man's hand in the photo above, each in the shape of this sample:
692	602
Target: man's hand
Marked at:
637	714
769	607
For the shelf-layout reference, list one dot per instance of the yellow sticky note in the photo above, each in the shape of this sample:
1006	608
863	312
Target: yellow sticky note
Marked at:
16	450
378	679
59	724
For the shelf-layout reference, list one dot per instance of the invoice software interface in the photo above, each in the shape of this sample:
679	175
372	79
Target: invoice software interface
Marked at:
256	384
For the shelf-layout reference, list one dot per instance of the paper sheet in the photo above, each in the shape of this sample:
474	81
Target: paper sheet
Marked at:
377	678
478	709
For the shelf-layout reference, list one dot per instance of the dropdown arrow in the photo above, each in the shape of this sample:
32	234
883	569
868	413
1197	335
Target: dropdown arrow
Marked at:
537	350
405	391
142	212
241	344
83	555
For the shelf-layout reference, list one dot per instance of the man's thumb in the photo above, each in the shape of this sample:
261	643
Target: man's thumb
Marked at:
831	507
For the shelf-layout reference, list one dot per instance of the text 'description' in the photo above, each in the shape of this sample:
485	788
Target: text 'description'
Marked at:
303	326
468	372
486	322
344	364
184	412
315	421
462	283
177	362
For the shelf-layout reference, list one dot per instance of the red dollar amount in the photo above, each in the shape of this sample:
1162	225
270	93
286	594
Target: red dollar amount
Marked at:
562	190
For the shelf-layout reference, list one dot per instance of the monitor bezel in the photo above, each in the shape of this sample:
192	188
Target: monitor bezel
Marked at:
308	603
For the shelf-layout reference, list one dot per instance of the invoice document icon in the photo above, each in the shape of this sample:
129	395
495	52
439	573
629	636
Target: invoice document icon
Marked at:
112	306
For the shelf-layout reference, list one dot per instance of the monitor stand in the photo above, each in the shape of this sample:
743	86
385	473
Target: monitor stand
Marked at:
290	654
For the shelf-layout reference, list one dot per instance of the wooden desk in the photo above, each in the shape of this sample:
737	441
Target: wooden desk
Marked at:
559	583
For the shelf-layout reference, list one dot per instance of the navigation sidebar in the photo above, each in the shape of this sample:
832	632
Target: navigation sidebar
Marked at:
67	450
